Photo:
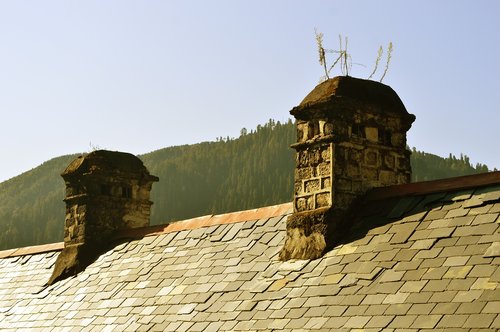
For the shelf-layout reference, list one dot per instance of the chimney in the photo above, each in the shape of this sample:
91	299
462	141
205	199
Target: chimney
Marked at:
106	191
351	137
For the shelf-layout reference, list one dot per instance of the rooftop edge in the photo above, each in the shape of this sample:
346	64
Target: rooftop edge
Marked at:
410	189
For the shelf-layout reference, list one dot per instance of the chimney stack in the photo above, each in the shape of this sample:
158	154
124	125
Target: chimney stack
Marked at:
106	191
351	137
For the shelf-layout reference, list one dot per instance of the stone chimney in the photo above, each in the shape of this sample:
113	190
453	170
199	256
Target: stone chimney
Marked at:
106	191
351	137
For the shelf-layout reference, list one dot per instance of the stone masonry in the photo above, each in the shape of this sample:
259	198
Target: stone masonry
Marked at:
351	137
106	191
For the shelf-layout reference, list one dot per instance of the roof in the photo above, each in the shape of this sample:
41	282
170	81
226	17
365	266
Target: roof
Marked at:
422	257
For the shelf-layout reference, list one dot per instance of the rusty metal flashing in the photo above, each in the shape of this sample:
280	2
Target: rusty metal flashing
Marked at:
32	250
207	221
435	186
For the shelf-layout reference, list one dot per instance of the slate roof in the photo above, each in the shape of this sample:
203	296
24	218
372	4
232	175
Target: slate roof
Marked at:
423	257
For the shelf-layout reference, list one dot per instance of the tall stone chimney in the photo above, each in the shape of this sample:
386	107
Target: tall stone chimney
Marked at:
106	191
351	137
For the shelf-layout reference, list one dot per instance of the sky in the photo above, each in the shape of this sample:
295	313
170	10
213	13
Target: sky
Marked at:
138	76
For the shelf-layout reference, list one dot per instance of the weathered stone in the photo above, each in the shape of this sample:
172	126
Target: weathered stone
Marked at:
328	128
389	161
105	191
325	154
301	204
343	184
357	129
371	134
371	158
387	177
324	169
326	183
323	200
312	185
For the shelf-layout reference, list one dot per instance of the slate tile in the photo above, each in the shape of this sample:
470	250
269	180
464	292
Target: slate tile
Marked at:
332	279
349	300
461	284
258	286
479	260
295	313
395	298
381	238
387	255
436	285
277	240
443	296
413	286
279	314
467	296
335	322
482	271
457	272
452	250
213	326
435	214
403	205
492	307
432	263
411	265
442	232
421	309
493	250
355	311
440	223
484	283
479	320
449	321
471	307
298	323
421	244
484	229
315	323
426	321
372	299
445	308
495	208
456	261
400	322
485	218
406	255
460	212
316	311
357	322
346	249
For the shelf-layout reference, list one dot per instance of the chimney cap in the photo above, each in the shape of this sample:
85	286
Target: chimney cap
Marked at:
103	161
345	88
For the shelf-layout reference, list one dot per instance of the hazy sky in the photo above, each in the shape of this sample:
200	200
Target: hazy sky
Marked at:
137	76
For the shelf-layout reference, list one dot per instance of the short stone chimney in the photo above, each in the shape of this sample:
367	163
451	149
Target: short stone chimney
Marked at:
351	137
106	191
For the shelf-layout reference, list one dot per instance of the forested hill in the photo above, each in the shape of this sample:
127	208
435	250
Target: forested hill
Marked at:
251	171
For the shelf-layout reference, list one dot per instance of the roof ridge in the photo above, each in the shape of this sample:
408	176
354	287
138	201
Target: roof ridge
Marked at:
410	189
176	226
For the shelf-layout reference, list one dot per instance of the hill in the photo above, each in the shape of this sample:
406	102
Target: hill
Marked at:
253	170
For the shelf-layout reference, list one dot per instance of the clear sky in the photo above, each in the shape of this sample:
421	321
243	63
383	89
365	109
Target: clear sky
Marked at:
137	76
